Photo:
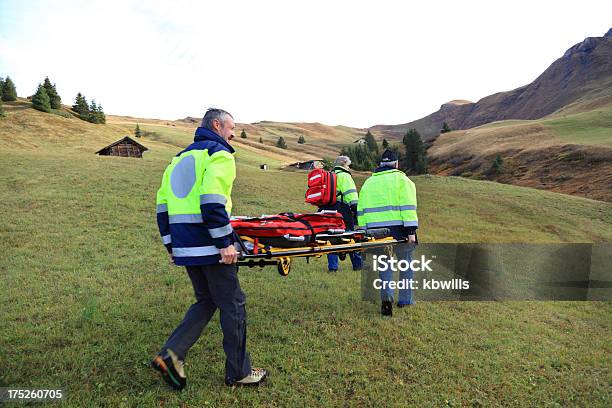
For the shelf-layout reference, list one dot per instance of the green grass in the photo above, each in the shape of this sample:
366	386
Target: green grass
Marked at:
502	123
176	137
61	113
88	297
593	127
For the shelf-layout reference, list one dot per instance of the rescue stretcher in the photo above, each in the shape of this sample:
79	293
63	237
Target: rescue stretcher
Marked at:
260	251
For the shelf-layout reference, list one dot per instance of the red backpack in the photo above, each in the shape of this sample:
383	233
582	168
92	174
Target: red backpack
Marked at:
321	188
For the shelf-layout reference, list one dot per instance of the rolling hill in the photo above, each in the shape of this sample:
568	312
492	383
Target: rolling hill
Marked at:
570	154
322	141
582	77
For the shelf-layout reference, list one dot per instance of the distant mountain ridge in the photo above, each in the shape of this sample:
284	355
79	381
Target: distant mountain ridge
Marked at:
583	72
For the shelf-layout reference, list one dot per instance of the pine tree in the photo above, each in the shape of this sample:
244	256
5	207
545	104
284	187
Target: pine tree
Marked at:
243	134
81	106
371	142
421	165
91	111
9	93
385	144
137	131
40	100
445	128
301	140
260	140
54	98
100	116
361	157
416	155
281	143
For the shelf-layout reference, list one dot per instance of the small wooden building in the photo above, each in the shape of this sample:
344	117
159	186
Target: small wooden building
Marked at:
308	165
126	147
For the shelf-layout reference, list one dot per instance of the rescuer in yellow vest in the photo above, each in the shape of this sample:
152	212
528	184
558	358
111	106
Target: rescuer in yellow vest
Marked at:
346	205
193	208
388	200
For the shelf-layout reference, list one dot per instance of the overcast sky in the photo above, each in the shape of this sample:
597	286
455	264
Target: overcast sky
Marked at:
356	63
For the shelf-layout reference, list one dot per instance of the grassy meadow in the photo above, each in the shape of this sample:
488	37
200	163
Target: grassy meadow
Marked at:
593	127
88	296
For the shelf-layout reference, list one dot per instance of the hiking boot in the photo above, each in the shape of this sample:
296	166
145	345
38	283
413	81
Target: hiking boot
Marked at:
386	308
171	369
255	378
332	271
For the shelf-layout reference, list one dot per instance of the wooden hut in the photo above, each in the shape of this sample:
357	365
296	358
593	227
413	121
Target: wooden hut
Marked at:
308	165
126	147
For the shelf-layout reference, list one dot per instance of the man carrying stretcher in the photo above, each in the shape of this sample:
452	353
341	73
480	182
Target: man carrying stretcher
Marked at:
193	207
346	205
388	200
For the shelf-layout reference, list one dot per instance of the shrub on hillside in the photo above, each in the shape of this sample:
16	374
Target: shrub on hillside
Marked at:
281	143
496	166
575	155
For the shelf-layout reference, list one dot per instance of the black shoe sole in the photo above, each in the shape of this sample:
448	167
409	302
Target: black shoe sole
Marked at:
170	378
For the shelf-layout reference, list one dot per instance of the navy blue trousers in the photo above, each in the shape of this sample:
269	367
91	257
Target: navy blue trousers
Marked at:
215	287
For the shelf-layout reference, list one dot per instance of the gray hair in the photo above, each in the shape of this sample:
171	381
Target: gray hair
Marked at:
212	114
342	161
388	164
